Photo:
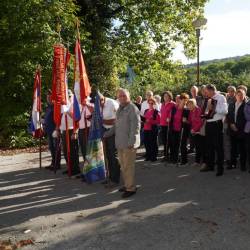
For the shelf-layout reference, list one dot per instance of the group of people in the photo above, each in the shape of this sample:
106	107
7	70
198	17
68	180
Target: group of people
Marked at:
213	125
121	137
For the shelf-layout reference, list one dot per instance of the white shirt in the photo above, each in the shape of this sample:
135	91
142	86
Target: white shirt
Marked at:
70	120
158	106
109	111
144	107
85	113
237	106
221	108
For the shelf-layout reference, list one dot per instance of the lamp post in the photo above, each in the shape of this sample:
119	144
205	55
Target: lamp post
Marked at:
198	24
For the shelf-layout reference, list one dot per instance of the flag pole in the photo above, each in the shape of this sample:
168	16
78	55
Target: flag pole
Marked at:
66	118
77	29
39	119
40	144
67	135
68	146
85	134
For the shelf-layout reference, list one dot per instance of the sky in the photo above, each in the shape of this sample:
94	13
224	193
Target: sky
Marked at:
227	32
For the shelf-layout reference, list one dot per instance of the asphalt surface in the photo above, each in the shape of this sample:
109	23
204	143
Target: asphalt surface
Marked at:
174	208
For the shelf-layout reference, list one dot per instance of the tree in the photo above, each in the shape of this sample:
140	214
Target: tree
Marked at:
136	33
114	34
27	37
224	72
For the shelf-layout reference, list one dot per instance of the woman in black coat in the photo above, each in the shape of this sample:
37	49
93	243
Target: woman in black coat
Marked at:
236	122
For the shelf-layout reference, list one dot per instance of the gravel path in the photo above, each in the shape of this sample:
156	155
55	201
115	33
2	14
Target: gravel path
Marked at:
175	208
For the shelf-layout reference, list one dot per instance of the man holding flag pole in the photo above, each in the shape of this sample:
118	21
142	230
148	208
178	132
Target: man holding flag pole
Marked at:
62	106
94	166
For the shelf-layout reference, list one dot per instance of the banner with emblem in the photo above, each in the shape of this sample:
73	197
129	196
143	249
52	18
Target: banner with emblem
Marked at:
94	165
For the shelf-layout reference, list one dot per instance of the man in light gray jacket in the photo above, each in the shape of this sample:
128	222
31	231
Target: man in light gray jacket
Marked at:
127	139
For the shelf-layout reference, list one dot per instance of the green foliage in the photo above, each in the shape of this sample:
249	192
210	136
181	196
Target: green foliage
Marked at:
114	34
27	31
158	79
225	72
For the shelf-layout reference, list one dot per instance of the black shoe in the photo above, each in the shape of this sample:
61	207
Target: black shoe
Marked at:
127	194
206	169
243	169
75	173
104	182
111	185
230	167
164	159
122	189
147	159
50	167
220	173
154	160
65	172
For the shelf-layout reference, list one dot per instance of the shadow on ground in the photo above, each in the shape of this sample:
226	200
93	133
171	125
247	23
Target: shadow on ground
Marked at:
175	208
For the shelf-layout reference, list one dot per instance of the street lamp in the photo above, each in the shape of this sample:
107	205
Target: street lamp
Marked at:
198	24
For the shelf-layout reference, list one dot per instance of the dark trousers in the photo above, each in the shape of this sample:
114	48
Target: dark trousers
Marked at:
112	160
165	140
52	148
238	147
214	144
199	142
248	149
191	143
83	140
55	150
74	155
179	143
151	144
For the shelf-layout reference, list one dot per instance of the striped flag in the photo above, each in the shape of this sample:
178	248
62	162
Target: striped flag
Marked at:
82	87
35	124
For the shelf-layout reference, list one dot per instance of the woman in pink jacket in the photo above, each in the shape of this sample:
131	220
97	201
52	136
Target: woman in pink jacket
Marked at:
166	108
196	123
151	122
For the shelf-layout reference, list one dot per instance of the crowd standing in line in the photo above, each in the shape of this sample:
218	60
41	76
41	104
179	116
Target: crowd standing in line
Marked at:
213	125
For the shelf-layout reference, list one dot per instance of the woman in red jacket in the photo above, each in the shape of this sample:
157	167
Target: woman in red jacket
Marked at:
196	123
179	130
152	120
166	108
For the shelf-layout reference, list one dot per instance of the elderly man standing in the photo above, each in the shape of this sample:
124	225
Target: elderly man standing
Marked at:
127	140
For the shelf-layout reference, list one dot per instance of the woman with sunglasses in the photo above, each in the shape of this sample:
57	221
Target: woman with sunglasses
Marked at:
151	122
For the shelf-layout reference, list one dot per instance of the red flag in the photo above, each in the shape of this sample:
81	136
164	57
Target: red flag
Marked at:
58	82
82	87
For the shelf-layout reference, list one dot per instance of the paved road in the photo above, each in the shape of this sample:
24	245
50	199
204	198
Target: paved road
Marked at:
175	208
